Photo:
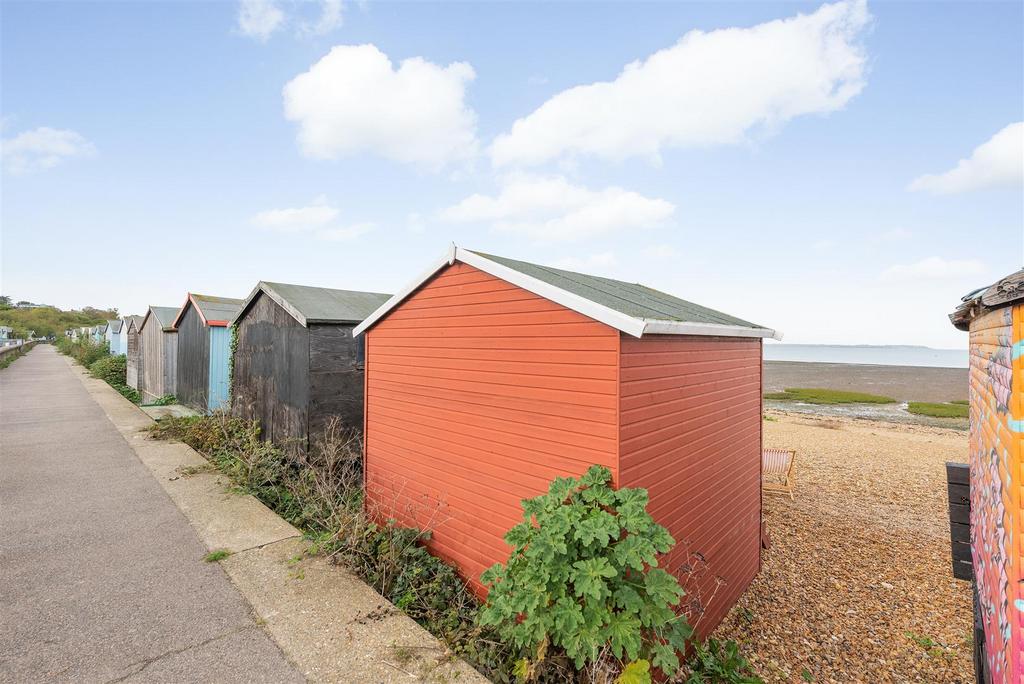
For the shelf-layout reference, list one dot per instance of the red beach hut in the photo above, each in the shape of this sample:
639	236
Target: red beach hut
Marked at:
487	377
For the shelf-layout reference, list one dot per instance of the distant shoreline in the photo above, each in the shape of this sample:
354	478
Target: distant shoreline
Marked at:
858	363
903	383
881	355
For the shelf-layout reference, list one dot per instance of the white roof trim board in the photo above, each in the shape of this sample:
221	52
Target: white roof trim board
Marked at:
637	327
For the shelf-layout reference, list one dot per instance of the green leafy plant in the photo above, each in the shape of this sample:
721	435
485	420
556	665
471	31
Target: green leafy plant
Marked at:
718	662
110	369
582	580
165	400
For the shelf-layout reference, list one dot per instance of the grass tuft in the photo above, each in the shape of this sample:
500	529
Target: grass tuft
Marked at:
812	395
216	556
950	410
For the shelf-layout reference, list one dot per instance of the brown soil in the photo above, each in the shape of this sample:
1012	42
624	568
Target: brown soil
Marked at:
858	574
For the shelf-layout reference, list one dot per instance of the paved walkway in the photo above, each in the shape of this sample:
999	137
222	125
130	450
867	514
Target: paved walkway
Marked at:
101	576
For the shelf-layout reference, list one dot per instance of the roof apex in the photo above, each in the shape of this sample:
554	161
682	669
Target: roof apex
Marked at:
629	307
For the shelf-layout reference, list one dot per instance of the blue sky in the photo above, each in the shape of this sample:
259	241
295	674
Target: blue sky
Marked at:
842	172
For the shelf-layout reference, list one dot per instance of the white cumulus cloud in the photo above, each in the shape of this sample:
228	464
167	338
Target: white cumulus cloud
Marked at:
996	163
43	148
297	219
934	268
552	208
354	99
259	18
709	88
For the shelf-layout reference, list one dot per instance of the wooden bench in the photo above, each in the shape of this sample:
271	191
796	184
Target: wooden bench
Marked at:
777	471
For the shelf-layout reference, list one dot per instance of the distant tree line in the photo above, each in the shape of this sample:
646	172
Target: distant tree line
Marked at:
24	316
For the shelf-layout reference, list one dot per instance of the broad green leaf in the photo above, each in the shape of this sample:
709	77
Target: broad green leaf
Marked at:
521	670
665	658
623	635
627	598
636	672
600	527
663	587
634	551
596	476
589	577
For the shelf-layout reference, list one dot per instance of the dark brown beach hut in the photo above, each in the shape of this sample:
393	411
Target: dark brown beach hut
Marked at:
488	377
296	362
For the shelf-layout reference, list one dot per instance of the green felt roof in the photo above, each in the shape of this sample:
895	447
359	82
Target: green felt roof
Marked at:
631	299
324	304
217	308
164	315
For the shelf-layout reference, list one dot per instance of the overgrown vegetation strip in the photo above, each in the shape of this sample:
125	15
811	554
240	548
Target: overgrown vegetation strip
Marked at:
320	491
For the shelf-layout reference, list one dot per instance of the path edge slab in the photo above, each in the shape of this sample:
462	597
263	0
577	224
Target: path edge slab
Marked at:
328	622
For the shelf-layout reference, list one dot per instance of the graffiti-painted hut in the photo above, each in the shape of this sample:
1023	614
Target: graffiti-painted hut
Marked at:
204	350
158	353
297	364
994	316
488	377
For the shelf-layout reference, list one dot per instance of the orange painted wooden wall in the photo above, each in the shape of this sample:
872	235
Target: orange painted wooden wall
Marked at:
478	393
691	436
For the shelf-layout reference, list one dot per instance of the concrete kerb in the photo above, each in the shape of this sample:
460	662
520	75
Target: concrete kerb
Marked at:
329	623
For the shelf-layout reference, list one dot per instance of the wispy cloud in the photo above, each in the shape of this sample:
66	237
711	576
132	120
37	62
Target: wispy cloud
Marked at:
43	148
345	233
330	19
552	208
354	99
933	268
317	219
709	88
259	19
999	162
297	219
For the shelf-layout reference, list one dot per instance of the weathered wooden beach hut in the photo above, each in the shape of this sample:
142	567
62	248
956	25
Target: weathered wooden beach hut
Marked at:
158	353
133	351
994	316
488	377
204	350
297	364
113	336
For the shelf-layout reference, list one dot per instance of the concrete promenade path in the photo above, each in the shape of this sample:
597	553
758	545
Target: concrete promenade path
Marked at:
101	575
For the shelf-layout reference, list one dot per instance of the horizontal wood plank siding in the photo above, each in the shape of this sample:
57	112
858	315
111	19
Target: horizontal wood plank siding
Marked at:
690	434
478	393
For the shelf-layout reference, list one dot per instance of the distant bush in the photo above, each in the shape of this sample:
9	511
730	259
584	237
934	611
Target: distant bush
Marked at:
950	410
111	369
827	396
83	350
